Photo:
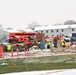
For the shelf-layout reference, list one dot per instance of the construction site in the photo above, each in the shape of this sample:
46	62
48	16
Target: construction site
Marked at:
34	49
33	44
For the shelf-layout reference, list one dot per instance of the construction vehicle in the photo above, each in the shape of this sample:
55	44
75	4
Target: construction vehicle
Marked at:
20	37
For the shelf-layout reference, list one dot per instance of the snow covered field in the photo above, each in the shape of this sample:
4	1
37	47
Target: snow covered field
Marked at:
47	72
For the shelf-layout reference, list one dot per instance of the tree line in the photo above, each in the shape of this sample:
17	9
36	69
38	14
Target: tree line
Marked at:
35	24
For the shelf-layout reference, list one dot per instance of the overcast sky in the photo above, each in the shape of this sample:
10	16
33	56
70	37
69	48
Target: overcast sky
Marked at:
20	13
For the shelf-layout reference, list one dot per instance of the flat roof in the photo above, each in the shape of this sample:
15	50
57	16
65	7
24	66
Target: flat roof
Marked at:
55	27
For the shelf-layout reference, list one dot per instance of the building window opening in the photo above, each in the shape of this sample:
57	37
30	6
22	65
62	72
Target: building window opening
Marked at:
62	30
47	31
52	31
72	29
56	30
41	31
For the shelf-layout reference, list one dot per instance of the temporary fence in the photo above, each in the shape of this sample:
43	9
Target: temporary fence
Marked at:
17	51
11	53
0	51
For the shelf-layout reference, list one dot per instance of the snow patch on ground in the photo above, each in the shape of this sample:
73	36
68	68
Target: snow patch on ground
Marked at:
46	72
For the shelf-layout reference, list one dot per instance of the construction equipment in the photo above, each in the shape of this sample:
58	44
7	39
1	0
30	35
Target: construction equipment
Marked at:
20	37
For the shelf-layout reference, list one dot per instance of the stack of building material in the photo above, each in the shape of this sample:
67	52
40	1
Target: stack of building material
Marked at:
40	37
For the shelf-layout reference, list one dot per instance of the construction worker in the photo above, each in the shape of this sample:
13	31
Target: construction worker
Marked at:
9	47
21	46
61	38
15	46
63	43
27	44
55	41
48	44
39	42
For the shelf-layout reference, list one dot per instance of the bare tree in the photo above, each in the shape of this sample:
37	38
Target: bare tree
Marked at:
9	28
1	27
69	22
33	25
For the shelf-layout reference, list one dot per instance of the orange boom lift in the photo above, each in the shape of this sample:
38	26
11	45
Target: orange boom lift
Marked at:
20	37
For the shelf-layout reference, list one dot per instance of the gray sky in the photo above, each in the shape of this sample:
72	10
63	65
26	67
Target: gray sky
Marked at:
20	13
